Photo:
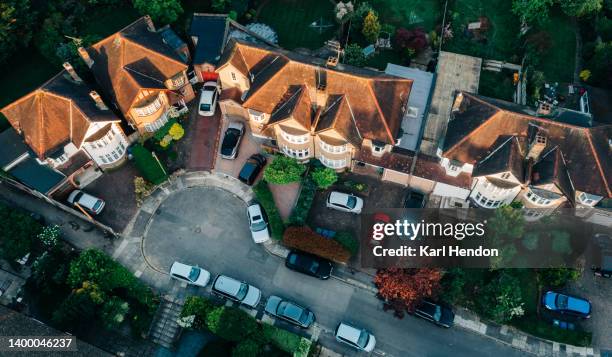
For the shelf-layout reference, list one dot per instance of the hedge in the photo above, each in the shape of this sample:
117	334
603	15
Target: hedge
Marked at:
265	198
148	165
347	240
304	239
302	207
287	341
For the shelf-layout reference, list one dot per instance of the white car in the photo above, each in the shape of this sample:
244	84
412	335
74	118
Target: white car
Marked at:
258	223
208	99
193	275
86	201
357	338
344	202
238	291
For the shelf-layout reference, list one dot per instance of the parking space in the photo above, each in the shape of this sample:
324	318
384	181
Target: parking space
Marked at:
201	140
248	146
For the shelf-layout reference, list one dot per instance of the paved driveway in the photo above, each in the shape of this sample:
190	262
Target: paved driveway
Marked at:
248	147
207	226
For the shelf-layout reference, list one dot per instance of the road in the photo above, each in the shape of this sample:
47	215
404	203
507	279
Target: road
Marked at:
207	226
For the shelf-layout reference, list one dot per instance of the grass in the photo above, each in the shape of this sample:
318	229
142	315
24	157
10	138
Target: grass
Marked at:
409	13
291	20
537	327
501	38
265	198
496	85
558	63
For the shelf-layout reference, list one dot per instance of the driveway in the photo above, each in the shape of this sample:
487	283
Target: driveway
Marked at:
207	226
201	140
248	146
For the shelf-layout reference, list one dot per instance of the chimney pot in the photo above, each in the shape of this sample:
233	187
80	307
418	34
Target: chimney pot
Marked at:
149	22
85	56
75	77
99	103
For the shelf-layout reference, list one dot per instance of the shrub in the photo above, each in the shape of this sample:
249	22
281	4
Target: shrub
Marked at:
561	242
113	312
530	241
347	240
303	238
142	189
501	298
231	324
176	131
18	233
324	177
265	198
284	170
49	236
302	207
199	307
371	27
246	348
283	339
353	55
558	277
151	168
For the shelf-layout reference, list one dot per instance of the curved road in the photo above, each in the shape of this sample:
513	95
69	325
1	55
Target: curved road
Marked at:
207	226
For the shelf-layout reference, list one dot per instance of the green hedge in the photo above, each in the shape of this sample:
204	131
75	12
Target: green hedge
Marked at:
265	198
347	240
148	165
299	215
287	341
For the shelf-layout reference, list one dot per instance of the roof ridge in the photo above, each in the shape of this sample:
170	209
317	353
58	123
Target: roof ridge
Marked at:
496	149
298	92
127	39
353	117
599	167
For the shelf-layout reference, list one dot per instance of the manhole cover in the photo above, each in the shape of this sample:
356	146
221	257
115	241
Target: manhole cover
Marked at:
198	230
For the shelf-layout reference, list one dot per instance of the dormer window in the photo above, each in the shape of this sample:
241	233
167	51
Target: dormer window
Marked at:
541	201
413	112
179	81
378	148
584	198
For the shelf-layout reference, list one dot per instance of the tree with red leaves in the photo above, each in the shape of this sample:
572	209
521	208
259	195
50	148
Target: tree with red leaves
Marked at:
415	39
402	289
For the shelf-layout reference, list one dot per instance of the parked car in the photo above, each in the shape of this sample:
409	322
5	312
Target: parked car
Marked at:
86	201
236	290
567	304
344	202
258	223
436	313
309	264
289	311
193	275
360	339
251	169
414	199
208	99
231	140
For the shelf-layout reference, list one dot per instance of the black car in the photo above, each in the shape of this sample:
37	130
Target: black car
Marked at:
309	264
252	167
231	140
414	200
436	313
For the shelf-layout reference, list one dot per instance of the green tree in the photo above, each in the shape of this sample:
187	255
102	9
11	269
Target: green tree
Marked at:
284	170
15	26
453	282
324	177
219	5
532	11
580	8
371	27
601	64
50	36
353	55
18	233
162	12
231	323
246	348
199	307
501	298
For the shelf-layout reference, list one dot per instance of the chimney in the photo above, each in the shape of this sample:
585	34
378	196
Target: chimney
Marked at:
544	108
99	103
457	103
75	77
149	22
537	146
85	57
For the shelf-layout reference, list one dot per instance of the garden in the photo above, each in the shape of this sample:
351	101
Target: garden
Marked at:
239	334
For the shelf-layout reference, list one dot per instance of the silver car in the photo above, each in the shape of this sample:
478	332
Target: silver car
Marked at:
258	223
289	311
344	202
236	290
193	275
86	201
355	337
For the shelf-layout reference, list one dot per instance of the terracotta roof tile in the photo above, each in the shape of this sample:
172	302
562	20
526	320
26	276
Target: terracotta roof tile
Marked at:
429	168
396	161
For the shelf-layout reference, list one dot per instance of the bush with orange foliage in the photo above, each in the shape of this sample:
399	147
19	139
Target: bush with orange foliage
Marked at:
305	239
402	289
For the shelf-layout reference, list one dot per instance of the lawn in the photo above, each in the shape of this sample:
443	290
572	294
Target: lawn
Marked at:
558	63
291	20
409	13
501	40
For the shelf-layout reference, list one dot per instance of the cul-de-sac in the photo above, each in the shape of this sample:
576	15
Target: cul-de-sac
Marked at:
228	178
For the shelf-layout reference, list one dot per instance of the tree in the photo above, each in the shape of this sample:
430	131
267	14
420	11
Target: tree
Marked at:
231	323
161	11
558	277
504	230
500	299
601	64
452	284
580	8
324	177
532	11
142	189
284	170
402	289
219	5
415	39
371	27
199	307
353	55
15	26
18	233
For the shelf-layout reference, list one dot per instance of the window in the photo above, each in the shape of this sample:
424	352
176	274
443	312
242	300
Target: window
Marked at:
151	127
378	148
179	81
505	176
233	76
298	154
482	201
532	197
585	199
102	159
295	139
334	164
150	108
258	117
333	148
413	112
